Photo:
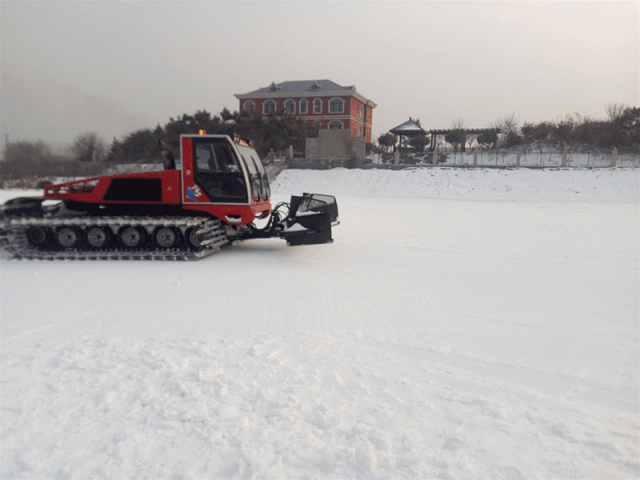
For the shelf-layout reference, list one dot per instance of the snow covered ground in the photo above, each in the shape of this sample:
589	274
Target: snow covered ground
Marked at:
464	324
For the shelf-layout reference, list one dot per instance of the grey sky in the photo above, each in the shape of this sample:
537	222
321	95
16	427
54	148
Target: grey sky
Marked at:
114	67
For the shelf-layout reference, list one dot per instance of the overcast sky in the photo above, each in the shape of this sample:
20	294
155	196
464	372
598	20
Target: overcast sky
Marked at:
118	66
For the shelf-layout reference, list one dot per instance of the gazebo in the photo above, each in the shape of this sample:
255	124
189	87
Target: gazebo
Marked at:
408	129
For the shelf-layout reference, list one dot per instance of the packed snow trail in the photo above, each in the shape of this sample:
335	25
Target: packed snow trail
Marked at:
290	405
433	339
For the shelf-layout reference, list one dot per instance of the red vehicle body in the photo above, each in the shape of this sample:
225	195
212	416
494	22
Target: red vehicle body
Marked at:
235	192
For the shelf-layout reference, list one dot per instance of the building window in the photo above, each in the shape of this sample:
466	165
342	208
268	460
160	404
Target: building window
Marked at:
359	131
304	106
290	107
249	106
317	106
317	125
336	105
269	107
335	125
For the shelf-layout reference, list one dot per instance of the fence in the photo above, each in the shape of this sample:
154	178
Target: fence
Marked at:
532	158
26	175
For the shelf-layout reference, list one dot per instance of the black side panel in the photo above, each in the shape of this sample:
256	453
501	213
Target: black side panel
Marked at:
135	190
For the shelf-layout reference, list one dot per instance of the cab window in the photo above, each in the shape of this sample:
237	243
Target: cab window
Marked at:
215	157
217	171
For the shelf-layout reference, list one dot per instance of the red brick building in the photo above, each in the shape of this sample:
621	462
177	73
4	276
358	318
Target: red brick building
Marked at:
322	103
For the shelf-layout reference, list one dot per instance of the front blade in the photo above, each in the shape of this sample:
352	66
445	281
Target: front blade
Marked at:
310	219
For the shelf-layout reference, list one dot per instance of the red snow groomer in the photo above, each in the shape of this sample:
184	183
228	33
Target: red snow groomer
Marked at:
189	212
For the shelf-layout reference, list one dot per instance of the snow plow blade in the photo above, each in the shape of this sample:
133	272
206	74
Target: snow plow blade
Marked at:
310	219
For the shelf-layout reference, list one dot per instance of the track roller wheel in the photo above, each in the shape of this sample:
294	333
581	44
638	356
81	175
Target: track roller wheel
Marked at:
98	237
132	237
38	236
68	237
191	238
166	237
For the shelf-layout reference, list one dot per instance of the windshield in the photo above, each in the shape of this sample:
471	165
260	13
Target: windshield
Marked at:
214	157
259	181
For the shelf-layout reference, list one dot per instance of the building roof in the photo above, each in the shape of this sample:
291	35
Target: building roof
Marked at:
304	88
408	128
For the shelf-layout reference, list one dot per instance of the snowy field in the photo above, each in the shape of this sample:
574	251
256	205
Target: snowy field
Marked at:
464	324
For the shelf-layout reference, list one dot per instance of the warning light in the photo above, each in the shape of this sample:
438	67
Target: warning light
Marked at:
202	132
239	141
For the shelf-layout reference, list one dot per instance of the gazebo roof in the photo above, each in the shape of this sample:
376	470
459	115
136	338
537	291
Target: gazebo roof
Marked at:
408	128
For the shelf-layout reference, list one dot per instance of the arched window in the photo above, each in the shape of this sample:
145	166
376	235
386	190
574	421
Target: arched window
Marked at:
336	125
317	125
304	106
290	106
336	105
269	107
249	106
317	106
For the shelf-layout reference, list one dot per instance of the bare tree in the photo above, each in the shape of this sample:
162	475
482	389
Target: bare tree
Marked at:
458	124
507	123
615	110
509	131
27	152
88	147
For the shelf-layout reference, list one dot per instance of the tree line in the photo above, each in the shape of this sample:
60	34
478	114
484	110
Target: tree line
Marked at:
620	130
278	131
274	132
87	147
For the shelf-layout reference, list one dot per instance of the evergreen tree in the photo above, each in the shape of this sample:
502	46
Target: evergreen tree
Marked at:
387	140
139	146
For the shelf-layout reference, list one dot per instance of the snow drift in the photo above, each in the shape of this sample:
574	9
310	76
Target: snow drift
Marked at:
475	184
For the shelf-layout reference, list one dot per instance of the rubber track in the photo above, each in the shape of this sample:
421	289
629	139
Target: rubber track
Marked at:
13	238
